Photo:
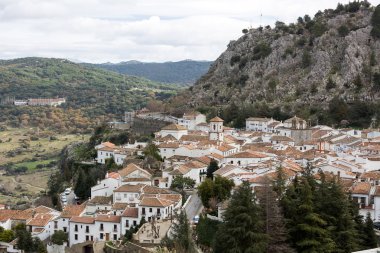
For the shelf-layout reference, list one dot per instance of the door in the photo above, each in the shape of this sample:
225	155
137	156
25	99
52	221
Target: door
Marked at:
107	236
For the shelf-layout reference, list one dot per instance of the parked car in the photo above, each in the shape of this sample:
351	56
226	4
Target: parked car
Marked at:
196	219
376	225
63	198
67	191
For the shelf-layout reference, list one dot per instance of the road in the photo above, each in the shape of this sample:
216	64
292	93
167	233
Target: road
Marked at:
70	198
194	207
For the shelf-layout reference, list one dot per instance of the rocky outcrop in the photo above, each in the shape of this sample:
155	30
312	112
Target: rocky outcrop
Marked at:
310	62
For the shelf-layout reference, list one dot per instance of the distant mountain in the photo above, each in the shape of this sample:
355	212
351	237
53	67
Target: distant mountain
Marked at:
184	72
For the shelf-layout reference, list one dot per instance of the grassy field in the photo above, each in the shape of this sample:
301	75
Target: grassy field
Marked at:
27	147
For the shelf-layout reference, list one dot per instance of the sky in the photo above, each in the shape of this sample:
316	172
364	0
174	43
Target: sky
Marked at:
146	30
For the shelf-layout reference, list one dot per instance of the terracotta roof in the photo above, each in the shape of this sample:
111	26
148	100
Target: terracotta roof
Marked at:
174	127
132	212
194	138
377	191
361	188
130	188
169	145
216	119
83	219
43	209
72	210
131	168
294	118
154	190
101	200
108	218
40	220
119	206
281	138
38	230
248	154
6	214
136	179
374	175
155	202
114	175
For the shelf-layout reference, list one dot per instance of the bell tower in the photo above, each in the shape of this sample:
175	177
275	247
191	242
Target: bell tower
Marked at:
216	129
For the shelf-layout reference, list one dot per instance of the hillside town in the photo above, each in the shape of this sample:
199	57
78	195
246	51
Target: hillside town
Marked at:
132	194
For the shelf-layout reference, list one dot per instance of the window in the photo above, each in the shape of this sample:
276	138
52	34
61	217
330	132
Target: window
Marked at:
64	229
87	229
134	223
76	236
115	228
127	223
87	238
150	210
101	227
143	210
76	228
114	237
55	224
101	236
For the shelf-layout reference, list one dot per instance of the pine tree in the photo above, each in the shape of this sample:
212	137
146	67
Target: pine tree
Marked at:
243	226
370	240
80	185
333	205
308	233
274	220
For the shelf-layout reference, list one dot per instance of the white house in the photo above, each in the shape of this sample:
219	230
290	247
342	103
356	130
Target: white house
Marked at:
106	186
175	130
257	124
191	120
245	158
81	229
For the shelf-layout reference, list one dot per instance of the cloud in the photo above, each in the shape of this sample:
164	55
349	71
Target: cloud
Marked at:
147	30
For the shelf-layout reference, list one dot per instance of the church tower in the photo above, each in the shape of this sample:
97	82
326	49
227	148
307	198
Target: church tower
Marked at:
216	129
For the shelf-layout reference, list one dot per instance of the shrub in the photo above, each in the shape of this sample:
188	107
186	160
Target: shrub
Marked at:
245	31
375	21
261	50
301	42
306	59
358	83
353	6
318	29
343	31
243	62
243	79
234	59
330	84
59	237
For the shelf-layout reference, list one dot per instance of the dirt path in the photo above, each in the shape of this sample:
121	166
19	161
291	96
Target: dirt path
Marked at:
26	184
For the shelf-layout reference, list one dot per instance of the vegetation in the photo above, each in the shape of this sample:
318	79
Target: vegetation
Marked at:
90	93
212	167
180	238
375	21
206	231
261	50
343	31
243	226
6	235
59	237
183	72
330	84
26	243
306	59
215	191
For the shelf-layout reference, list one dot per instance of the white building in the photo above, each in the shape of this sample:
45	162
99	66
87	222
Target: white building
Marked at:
216	129
191	120
257	124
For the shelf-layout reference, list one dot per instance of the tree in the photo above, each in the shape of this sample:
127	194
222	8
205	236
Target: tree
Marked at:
370	240
212	167
243	226
307	230
181	235
274	220
206	231
80	186
6	235
306	59
245	31
59	237
330	84
24	239
220	189
180	183
151	150
375	21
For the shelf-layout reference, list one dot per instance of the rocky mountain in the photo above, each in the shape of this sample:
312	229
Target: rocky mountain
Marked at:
302	67
182	72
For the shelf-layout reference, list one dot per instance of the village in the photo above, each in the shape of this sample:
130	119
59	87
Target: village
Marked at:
187	146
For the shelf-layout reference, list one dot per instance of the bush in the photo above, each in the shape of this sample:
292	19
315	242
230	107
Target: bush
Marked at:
353	6
318	29
243	79
59	237
306	59
343	31
358	83
261	51
330	84
234	59
301	42
375	21
243	62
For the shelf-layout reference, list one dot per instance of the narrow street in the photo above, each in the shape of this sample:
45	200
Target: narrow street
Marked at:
194	207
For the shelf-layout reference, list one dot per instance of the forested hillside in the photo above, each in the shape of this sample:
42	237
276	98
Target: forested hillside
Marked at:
91	93
182	72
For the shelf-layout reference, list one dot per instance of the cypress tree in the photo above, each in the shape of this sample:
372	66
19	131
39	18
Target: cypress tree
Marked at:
243	226
212	167
181	236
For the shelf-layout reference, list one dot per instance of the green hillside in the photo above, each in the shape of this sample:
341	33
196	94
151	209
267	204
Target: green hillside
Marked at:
93	91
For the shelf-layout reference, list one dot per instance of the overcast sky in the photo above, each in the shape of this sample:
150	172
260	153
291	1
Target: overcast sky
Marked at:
145	30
